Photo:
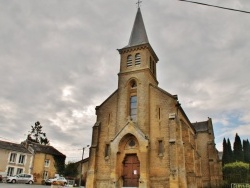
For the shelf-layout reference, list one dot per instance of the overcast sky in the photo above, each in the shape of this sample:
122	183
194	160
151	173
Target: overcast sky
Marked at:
58	60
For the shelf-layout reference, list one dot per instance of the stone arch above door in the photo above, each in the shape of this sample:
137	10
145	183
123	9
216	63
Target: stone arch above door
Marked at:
130	129
129	141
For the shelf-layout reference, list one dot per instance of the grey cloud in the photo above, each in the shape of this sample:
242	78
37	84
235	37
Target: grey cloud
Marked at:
49	46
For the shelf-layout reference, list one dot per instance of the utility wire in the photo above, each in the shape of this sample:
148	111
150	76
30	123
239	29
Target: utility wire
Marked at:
216	6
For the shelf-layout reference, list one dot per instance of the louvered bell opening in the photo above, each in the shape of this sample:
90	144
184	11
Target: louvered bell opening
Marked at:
137	59
129	61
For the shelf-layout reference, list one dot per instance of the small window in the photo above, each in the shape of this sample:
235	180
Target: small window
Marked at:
12	157
107	150
129	61
138	59
46	163
160	147
45	175
131	143
21	159
133	84
109	119
10	171
159	113
19	171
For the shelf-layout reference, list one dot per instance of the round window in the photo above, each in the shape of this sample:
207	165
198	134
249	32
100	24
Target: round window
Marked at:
131	143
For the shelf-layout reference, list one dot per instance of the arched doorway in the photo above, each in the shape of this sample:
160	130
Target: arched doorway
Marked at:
131	171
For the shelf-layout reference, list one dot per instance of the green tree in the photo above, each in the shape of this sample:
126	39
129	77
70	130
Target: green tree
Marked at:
230	152
36	134
71	170
238	152
59	163
246	151
225	155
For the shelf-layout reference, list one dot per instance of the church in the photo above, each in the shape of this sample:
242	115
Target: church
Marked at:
142	136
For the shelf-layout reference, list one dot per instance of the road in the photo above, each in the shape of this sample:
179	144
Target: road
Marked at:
11	185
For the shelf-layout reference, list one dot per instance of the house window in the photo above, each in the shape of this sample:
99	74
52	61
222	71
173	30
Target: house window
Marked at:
12	157
46	163
45	175
21	159
133	107
19	171
129	61
10	171
137	59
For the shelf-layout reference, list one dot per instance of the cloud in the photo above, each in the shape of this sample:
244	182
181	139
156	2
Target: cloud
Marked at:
59	60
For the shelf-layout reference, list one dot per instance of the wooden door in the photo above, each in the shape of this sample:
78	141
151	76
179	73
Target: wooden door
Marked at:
131	171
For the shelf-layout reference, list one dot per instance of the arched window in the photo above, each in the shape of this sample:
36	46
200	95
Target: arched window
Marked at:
133	108
132	103
137	59
129	61
133	84
132	111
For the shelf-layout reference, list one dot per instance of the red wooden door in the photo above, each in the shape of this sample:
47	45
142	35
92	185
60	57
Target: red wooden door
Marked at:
131	171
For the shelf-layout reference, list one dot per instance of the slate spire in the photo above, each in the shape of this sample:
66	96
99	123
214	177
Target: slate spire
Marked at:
138	35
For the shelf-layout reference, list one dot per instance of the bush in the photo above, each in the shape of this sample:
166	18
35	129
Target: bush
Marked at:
236	172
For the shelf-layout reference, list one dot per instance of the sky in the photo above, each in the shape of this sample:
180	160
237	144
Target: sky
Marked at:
59	60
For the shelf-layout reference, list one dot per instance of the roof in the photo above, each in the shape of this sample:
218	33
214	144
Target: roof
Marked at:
39	148
83	160
201	126
138	35
13	147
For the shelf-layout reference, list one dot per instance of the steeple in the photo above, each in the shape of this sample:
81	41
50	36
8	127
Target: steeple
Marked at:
138	35
138	56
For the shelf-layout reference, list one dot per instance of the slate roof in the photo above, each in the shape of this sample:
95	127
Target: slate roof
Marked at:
13	147
39	148
201	126
138	35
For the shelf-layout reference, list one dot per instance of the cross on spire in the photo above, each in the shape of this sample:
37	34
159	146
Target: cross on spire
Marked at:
138	3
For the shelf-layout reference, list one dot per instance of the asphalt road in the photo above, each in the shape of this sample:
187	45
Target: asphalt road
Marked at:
11	185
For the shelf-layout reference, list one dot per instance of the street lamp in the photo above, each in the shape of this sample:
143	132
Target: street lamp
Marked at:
81	165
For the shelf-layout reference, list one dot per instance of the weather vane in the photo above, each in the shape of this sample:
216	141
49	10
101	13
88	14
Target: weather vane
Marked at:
138	3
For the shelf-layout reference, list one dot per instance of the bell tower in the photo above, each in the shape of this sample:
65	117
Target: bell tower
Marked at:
137	72
138	55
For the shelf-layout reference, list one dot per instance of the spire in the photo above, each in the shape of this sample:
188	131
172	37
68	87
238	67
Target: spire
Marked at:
138	34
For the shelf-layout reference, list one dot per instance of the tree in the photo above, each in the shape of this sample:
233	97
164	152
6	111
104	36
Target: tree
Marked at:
36	134
246	151
235	172
71	170
238	152
59	163
225	155
230	152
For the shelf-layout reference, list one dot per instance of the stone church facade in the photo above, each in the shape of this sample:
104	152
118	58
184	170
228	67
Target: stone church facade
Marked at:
142	136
